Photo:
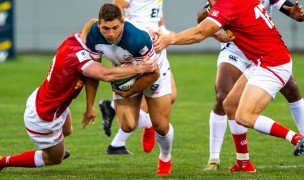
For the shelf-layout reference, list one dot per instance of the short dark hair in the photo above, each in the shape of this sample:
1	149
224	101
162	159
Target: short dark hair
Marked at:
109	12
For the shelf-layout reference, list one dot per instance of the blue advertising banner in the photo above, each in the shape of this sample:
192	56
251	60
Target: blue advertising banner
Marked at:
6	30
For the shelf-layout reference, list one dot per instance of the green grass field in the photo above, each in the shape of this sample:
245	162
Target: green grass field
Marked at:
194	76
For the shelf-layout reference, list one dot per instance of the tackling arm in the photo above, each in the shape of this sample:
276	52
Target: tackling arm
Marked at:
193	35
97	71
142	83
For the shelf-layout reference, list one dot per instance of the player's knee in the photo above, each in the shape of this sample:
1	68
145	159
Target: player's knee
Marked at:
161	129
243	118
127	128
54	160
229	107
221	96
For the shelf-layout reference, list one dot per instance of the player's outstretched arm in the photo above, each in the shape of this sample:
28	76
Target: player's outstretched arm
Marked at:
205	29
97	71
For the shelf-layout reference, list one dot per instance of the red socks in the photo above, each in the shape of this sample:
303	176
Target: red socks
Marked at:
25	159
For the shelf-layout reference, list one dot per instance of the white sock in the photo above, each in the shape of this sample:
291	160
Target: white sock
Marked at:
112	105
235	128
120	138
218	125
165	144
297	111
144	120
263	124
38	159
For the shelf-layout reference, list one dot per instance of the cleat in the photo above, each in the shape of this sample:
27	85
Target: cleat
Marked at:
108	114
148	139
299	147
246	166
164	168
212	166
1	165
66	154
117	151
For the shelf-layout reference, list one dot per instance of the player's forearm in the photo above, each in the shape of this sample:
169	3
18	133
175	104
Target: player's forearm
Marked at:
221	37
144	81
119	73
189	36
91	86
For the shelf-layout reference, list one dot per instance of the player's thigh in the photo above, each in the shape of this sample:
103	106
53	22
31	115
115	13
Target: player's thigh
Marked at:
143	105
127	111
173	88
226	76
67	127
252	102
159	111
232	100
291	91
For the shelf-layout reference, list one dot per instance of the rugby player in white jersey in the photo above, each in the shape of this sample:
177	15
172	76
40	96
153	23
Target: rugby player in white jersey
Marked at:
120	41
251	29
231	65
147	13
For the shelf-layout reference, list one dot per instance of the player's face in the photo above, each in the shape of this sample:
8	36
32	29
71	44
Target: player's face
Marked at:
111	30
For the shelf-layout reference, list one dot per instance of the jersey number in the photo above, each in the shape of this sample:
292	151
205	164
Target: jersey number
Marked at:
260	11
51	69
155	13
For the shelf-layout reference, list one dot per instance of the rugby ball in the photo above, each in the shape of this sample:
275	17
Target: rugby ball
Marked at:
125	84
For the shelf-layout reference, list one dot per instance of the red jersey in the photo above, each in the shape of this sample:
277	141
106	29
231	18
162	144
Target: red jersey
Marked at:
247	24
64	80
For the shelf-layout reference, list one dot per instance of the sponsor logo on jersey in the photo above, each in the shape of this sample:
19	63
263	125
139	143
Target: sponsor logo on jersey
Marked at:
230	34
127	58
154	88
83	55
215	13
233	58
144	50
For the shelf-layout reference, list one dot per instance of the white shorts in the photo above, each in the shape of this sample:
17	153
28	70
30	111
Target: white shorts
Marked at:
271	79
231	54
162	86
43	134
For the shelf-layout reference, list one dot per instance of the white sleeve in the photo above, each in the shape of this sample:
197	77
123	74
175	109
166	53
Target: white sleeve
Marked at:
279	4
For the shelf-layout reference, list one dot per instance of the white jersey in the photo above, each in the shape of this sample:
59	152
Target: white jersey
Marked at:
145	12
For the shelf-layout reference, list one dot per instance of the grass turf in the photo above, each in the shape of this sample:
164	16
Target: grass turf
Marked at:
194	76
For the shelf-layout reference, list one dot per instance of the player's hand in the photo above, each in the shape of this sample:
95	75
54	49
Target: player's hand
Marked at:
296	12
162	41
89	115
148	65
